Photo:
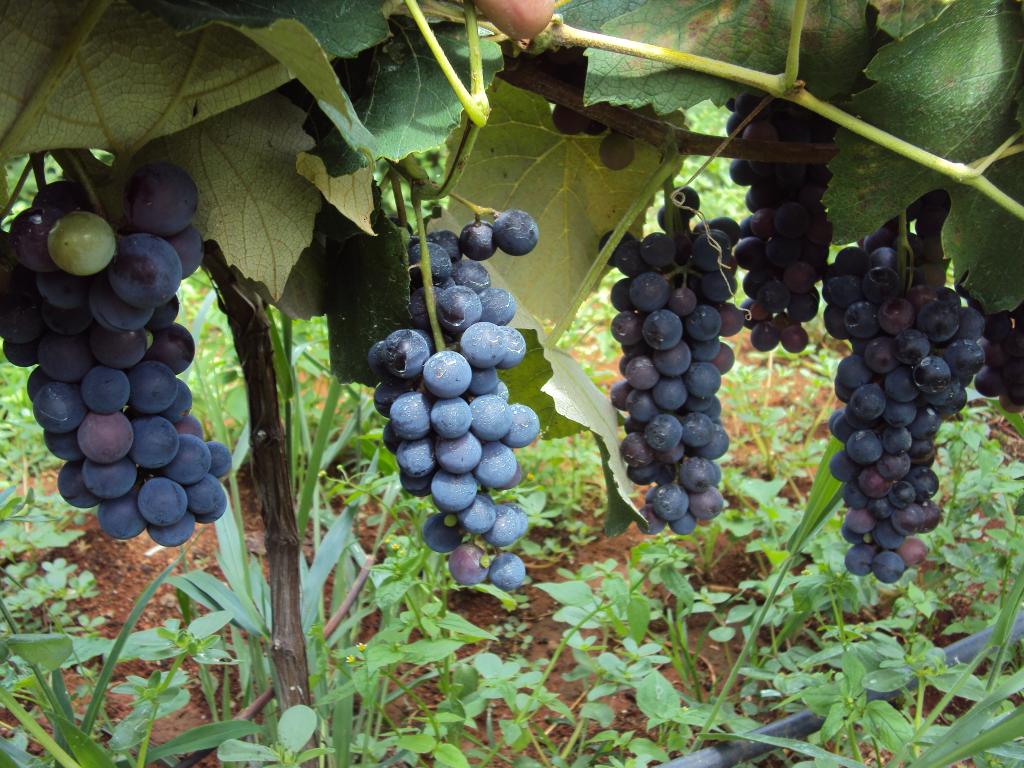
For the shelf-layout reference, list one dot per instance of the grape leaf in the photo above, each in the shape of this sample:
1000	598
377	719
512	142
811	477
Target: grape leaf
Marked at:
305	292
526	385
251	200
368	299
351	194
411	107
593	14
985	242
947	87
898	18
342	27
521	161
577	399
131	80
292	44
835	45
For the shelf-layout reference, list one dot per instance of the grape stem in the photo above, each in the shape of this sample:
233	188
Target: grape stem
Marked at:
396	191
563	34
88	17
454	166
796	28
478	210
725	143
1005	149
425	271
476	108
667	170
69	160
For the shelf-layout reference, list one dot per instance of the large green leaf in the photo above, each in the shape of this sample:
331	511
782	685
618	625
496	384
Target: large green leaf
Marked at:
564	396
292	44
251	200
411	107
593	14
526	384
898	18
342	27
132	80
947	87
752	33
521	161
369	298
986	242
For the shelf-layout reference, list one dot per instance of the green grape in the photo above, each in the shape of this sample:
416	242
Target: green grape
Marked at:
81	243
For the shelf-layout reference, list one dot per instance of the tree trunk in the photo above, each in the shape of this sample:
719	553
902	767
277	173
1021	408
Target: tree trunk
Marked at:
250	327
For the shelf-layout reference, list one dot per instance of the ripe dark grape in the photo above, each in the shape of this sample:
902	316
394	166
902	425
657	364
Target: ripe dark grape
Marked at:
120	518
173	535
174	347
162	502
206	499
109	481
153	386
160	198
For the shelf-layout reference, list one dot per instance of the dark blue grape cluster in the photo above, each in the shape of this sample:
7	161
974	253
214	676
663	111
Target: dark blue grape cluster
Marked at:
914	352
451	427
784	242
95	312
673	308
1003	342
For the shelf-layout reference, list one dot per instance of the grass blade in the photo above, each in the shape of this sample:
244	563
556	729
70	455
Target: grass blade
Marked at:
100	689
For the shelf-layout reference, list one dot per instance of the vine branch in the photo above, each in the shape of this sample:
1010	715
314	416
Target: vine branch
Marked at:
529	75
563	34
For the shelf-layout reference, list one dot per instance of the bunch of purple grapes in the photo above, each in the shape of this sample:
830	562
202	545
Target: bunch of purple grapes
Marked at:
914	352
784	245
674	308
451	427
1003	342
95	311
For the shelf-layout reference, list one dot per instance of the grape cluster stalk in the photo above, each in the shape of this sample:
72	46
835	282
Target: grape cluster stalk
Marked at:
451	427
94	310
784	241
673	308
914	351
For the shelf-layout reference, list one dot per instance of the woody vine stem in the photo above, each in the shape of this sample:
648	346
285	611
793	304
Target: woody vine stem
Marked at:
784	86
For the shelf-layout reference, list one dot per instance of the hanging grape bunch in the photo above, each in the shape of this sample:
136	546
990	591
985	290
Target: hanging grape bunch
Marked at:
673	307
1003	374
450	425
95	311
784	245
914	352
